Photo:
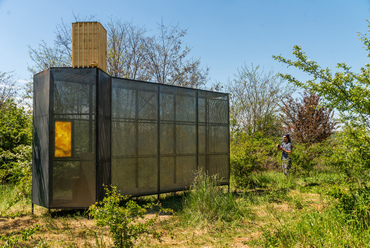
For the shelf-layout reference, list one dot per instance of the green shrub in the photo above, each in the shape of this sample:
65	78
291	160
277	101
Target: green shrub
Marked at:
312	157
352	154
18	168
15	143
126	223
252	154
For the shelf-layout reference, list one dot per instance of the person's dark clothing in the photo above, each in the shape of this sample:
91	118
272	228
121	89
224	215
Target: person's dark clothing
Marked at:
286	146
286	162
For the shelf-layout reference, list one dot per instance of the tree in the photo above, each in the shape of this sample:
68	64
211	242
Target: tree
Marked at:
166	59
131	53
7	88
126	50
345	90
60	54
306	120
348	92
255	99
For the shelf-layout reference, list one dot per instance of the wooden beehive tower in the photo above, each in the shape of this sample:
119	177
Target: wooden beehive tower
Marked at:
89	45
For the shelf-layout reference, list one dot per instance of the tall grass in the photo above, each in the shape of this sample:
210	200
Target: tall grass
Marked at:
272	179
207	203
10	202
6	192
329	228
341	221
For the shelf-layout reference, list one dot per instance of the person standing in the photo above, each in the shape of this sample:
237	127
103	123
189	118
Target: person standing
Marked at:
287	149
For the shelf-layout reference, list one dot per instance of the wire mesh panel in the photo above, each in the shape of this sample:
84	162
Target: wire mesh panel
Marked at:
104	133
41	118
178	139
73	171
161	136
213	112
134	136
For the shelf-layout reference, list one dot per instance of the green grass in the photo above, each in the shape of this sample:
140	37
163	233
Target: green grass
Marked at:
10	202
207	203
6	192
294	211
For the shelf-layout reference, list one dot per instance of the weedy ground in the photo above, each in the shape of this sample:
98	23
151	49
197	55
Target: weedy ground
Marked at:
271	215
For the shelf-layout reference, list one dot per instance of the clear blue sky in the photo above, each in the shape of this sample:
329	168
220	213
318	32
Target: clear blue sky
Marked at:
223	34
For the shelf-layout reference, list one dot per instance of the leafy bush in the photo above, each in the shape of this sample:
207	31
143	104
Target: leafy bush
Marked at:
309	157
15	126
126	223
252	153
18	172
15	143
352	154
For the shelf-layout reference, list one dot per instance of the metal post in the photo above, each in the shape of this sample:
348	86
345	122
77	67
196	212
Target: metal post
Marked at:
158	140
197	127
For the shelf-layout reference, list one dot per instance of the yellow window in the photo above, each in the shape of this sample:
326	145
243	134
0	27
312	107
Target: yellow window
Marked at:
63	139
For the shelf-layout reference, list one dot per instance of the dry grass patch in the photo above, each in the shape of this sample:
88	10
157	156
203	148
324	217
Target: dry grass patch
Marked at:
42	229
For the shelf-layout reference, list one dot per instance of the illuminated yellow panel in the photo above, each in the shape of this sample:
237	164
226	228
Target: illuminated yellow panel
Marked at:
63	139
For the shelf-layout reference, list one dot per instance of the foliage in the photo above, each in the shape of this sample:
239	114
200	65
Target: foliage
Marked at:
126	223
206	203
7	88
15	143
251	153
255	98
352	154
131	53
18	171
313	157
344	90
306	120
348	92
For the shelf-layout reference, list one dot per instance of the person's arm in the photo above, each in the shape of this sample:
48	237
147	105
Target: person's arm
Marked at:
287	151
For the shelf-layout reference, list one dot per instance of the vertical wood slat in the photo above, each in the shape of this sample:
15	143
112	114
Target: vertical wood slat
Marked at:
89	45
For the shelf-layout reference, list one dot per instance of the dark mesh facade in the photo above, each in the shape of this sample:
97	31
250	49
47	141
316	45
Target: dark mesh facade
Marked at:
64	176
74	100
41	132
161	135
91	129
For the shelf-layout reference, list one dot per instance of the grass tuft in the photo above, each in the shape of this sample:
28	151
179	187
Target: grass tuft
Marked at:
207	203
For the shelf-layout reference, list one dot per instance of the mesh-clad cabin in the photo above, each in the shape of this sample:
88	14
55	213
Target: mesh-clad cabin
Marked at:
145	138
